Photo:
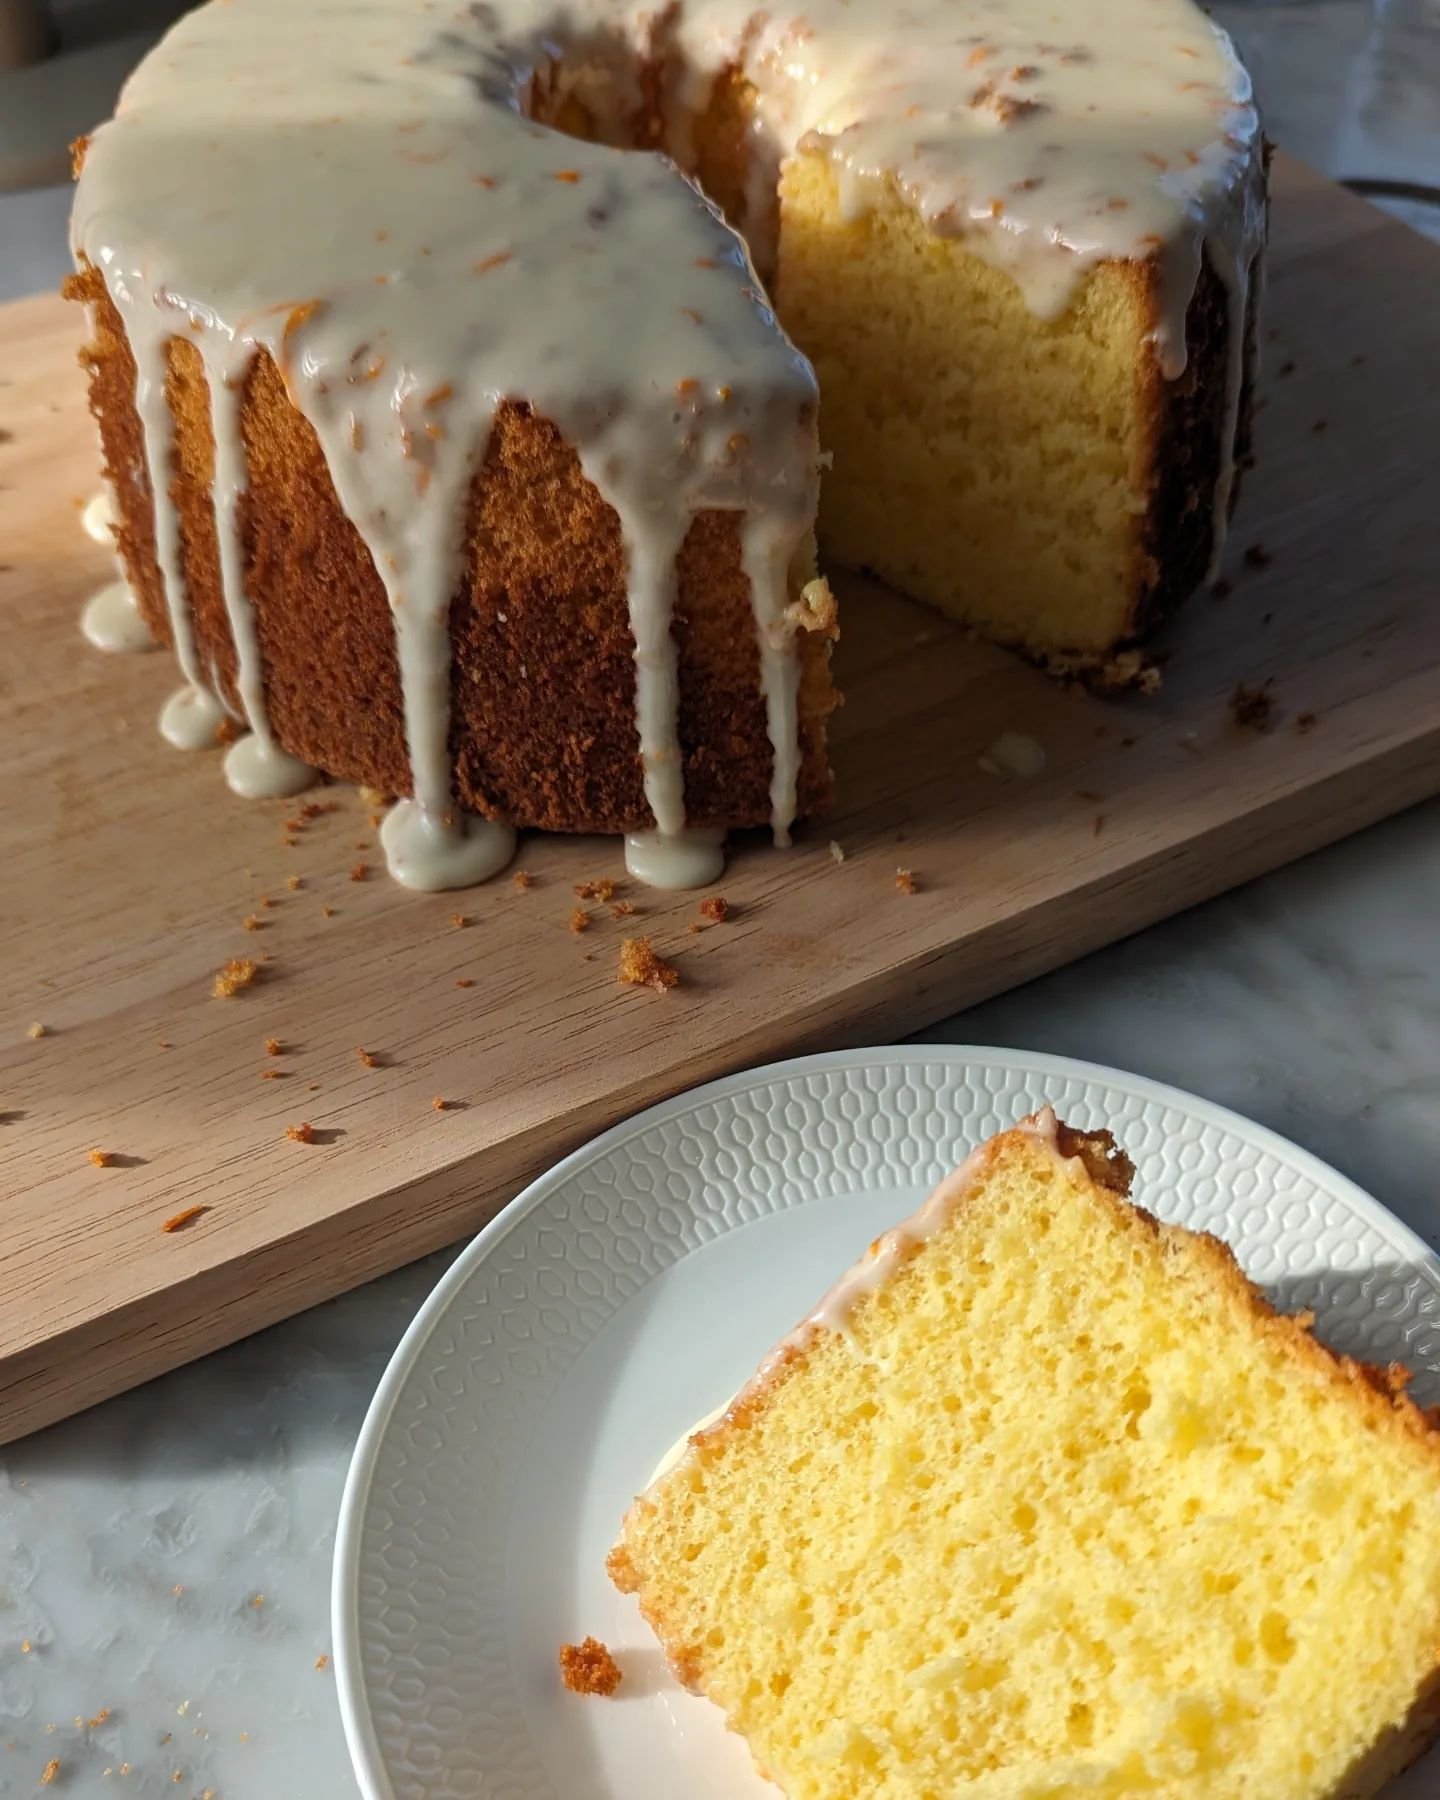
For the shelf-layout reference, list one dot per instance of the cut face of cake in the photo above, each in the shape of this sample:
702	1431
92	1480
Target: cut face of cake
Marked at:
457	450
1044	1501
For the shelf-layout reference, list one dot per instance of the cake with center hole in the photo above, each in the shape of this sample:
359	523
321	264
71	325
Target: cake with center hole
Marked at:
455	446
1045	1501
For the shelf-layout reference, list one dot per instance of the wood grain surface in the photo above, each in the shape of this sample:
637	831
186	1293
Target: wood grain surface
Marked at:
129	869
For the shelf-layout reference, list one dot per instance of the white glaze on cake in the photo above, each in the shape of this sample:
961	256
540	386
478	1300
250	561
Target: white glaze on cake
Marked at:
879	1263
111	620
98	516
672	1456
353	186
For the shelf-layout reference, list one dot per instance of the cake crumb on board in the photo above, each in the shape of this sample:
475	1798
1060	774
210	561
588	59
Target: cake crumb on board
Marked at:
589	1668
178	1221
905	881
303	1133
641	967
1252	707
237	975
716	909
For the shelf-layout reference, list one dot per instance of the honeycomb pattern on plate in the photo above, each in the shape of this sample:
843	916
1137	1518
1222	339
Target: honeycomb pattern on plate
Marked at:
432	1667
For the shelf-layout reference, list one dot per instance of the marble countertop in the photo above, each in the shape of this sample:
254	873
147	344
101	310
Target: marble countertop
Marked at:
165	1559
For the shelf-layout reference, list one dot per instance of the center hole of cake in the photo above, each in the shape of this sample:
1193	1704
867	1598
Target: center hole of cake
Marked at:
708	125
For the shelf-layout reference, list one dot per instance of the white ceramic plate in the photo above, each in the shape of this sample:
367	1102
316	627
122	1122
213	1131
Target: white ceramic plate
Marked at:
636	1286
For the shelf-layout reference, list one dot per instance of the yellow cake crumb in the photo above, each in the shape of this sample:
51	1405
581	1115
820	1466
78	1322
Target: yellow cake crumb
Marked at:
102	1159
237	975
37	1030
303	1133
579	919
905	881
716	909
601	889
523	879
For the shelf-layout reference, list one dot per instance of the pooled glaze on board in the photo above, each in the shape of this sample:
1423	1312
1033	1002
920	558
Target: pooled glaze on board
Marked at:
353	186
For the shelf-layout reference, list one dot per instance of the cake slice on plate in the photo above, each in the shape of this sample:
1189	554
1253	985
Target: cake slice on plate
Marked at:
1045	1501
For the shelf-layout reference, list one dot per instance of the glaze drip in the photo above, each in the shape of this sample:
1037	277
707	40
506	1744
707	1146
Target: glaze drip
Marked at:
111	620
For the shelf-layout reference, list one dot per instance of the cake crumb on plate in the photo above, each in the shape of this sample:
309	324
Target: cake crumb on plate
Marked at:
589	1668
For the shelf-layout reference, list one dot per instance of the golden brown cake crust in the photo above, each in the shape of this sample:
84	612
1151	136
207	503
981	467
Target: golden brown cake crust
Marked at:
543	684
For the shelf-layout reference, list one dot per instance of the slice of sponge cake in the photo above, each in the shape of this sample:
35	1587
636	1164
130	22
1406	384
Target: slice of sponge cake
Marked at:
1046	1501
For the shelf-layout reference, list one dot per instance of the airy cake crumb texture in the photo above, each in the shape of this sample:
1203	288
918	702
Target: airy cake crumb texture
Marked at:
1066	1510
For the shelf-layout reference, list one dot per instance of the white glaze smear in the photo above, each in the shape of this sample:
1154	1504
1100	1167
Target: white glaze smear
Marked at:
353	186
111	620
672	1456
98	516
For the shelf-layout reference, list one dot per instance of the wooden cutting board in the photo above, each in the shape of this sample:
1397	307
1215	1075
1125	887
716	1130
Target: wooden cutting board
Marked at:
129	869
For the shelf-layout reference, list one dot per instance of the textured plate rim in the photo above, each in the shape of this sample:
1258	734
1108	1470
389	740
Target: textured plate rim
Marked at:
355	1714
